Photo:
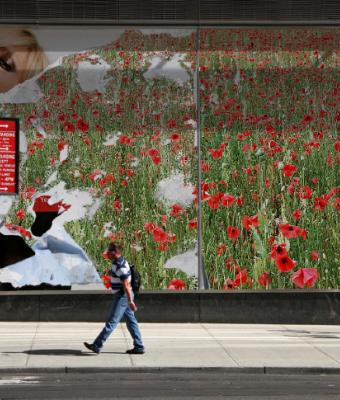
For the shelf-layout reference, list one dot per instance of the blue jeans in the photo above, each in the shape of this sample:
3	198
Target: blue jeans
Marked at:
120	307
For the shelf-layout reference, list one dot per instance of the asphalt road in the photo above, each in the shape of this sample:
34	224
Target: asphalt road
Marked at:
169	385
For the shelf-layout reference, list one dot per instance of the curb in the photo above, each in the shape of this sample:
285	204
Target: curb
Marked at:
169	370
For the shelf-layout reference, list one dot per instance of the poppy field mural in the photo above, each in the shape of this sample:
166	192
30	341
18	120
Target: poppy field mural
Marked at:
108	149
270	157
110	136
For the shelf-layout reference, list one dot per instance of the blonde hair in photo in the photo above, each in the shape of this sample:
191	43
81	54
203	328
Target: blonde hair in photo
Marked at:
23	40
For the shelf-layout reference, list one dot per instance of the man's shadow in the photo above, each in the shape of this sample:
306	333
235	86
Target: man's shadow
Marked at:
64	352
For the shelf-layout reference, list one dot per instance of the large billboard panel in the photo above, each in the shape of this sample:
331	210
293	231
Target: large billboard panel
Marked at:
108	153
109	146
270	157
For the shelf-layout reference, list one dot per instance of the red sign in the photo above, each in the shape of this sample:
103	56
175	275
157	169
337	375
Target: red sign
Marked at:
9	152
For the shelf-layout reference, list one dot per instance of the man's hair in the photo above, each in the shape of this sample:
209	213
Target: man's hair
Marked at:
115	247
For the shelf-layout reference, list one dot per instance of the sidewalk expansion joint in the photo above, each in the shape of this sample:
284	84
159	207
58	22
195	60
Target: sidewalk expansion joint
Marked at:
220	344
32	343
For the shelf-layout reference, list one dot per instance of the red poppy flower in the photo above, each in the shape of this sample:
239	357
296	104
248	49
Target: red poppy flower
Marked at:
192	224
229	262
153	152
176	284
305	277
159	235
175	137
214	201
28	192
61	145
241	277
205	167
171	123
229	284
278	250
284	263
221	249
240	201
305	192
82	125
336	203
297	214
149	226
156	160
248	222
96	174
117	205
228	200
176	210
264	279
303	234
46	114
109	178
20	214
291	231
320	203
130	172
314	255
307	119
289	170
232	232
216	153
87	140
69	127
126	140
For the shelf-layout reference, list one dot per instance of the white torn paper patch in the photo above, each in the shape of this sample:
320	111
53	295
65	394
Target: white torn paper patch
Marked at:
169	69
186	262
91	75
63	155
174	190
112	139
26	92
5	204
52	178
58	260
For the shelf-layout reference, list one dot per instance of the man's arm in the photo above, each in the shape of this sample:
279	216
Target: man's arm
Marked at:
128	290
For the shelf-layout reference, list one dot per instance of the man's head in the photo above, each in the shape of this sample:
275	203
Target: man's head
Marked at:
114	250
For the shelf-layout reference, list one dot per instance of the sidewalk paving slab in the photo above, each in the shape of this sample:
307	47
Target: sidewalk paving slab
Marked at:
55	346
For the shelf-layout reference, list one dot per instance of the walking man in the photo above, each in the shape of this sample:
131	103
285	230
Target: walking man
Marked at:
122	304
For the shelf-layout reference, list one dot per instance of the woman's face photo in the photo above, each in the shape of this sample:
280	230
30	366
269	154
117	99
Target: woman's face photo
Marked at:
12	62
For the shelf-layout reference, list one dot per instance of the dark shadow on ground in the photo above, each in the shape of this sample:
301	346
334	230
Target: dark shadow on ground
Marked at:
56	352
307	334
61	352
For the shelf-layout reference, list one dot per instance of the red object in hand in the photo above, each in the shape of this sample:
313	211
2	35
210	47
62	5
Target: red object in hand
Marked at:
107	281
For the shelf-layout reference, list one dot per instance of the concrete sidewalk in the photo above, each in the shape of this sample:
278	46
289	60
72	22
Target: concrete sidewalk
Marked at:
27	346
